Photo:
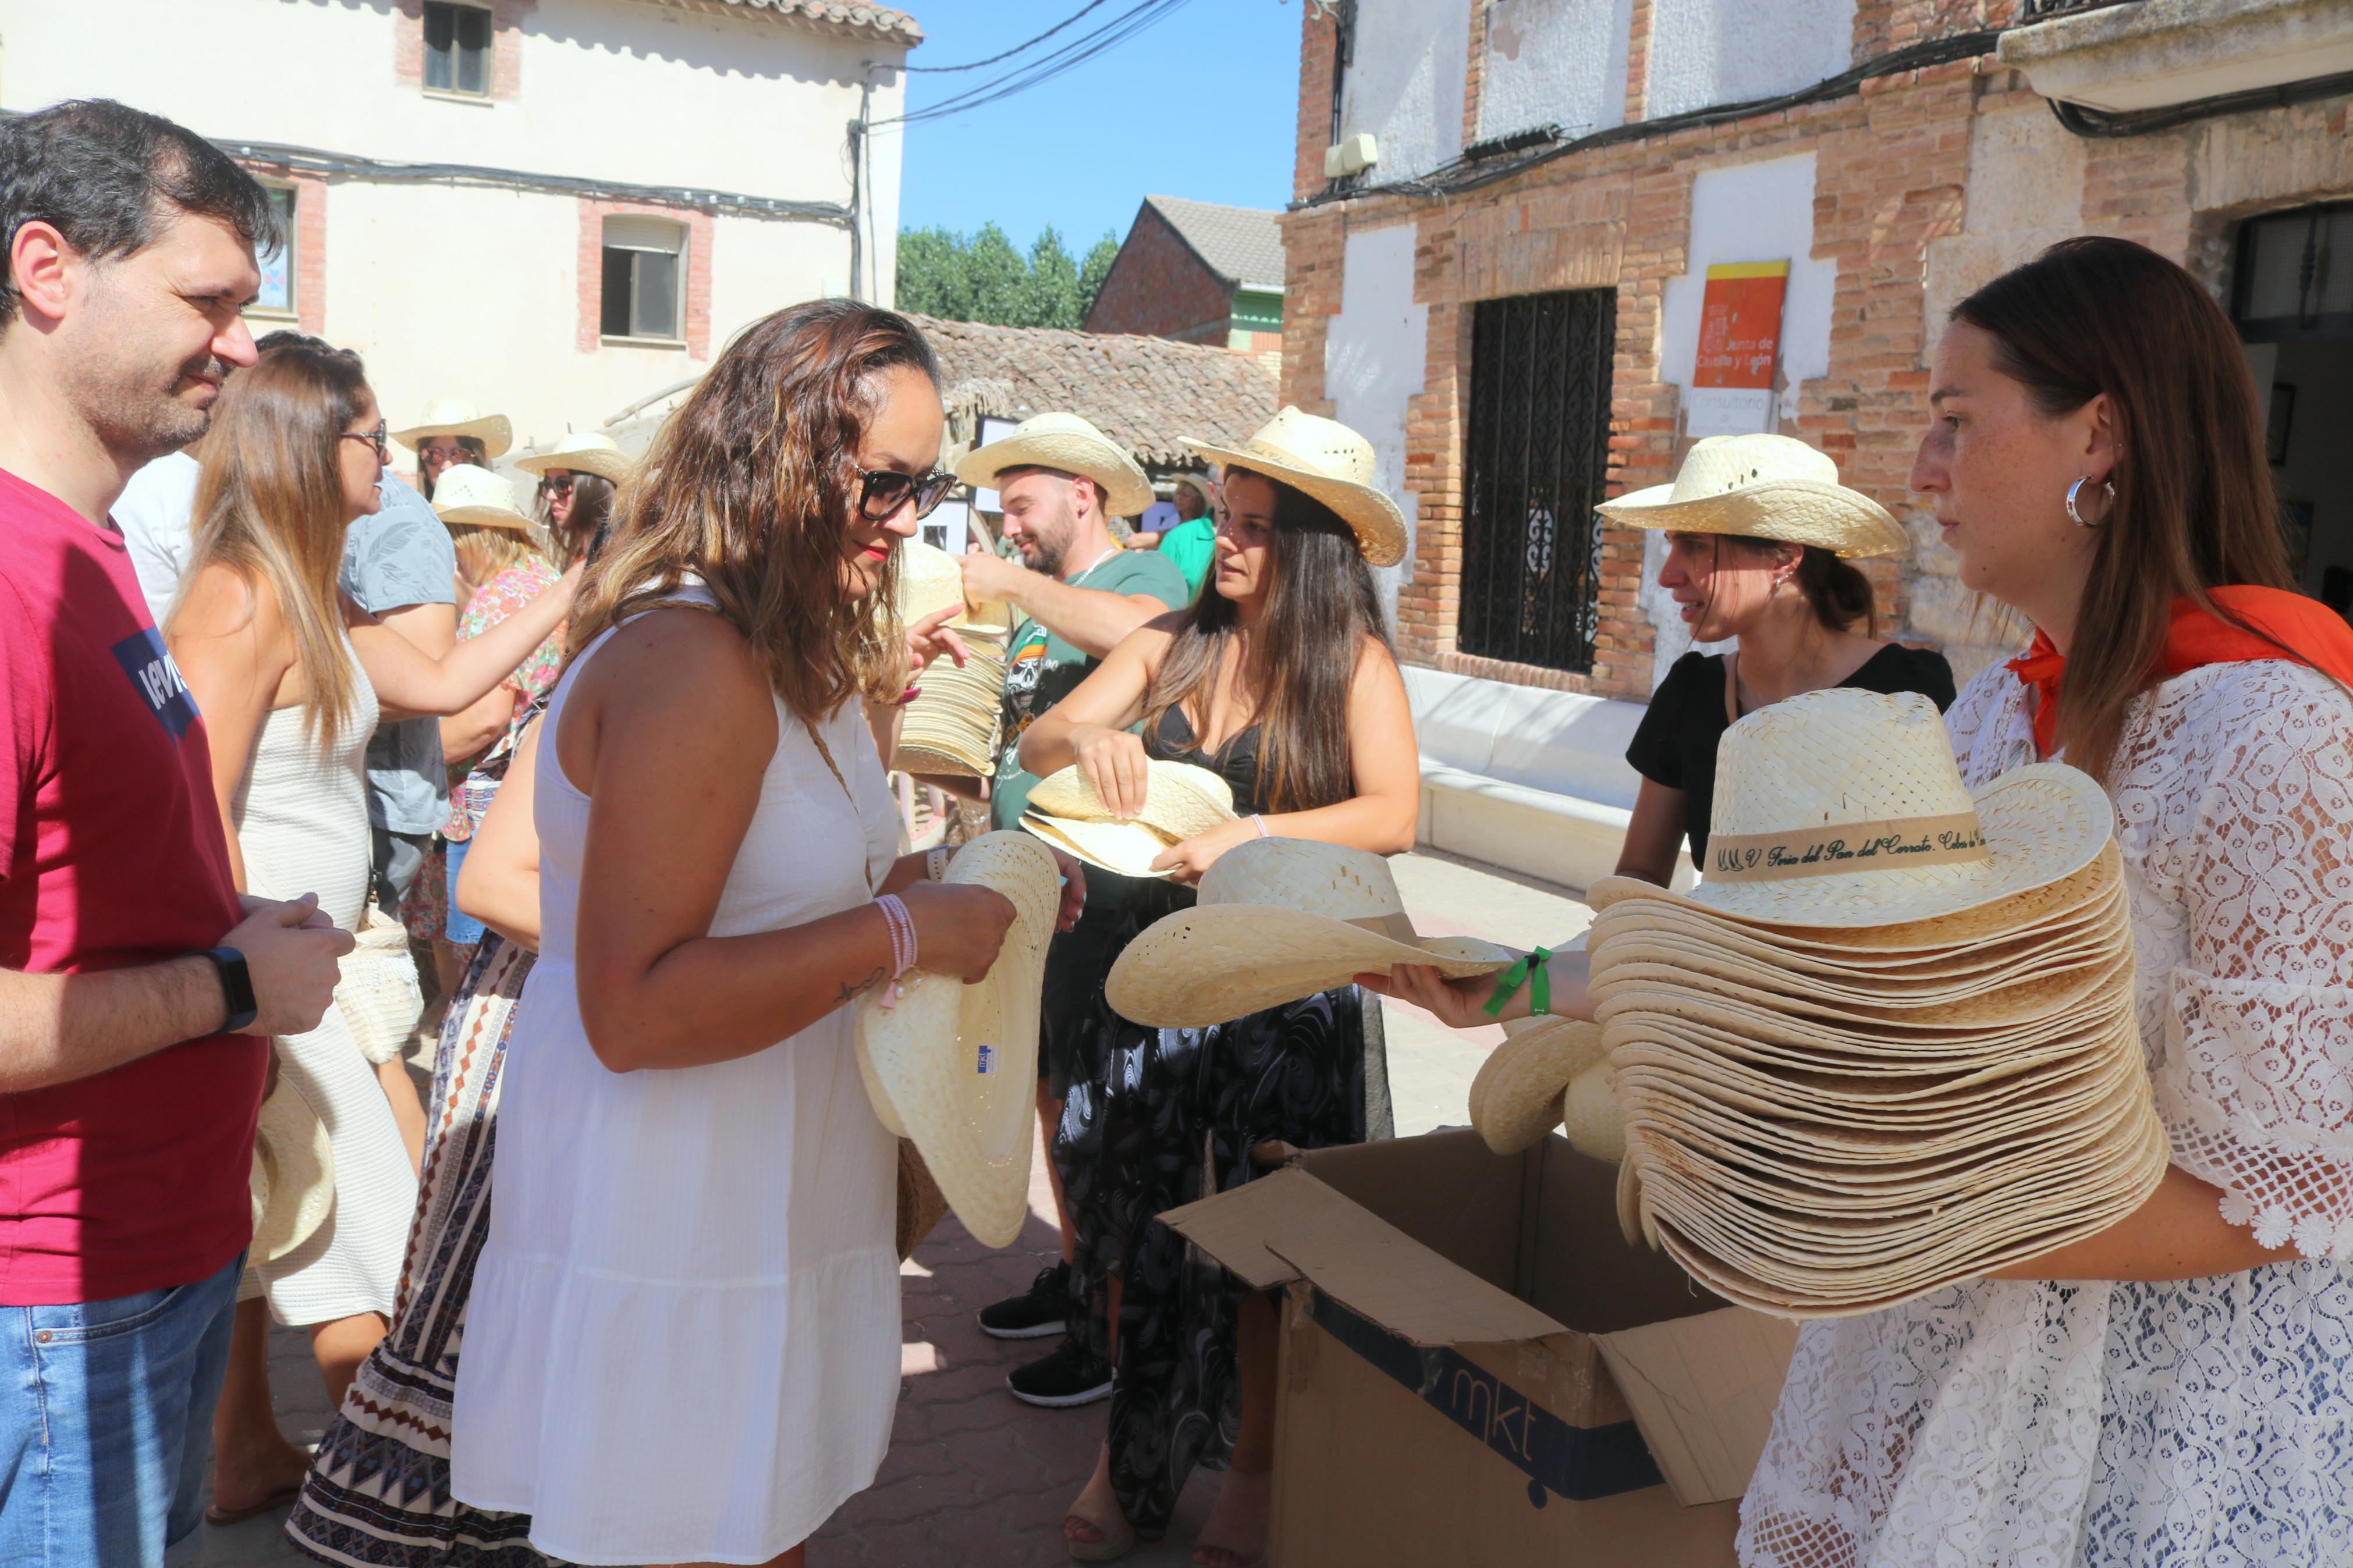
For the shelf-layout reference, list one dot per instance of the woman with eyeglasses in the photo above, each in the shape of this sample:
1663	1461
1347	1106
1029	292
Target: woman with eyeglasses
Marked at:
683	1339
291	676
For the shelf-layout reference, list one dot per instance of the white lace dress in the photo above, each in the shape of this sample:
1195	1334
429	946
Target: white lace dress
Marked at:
2199	1422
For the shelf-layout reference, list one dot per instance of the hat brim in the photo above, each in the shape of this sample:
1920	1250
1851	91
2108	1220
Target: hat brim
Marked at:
954	1066
1367	510
494	433
1122	848
2042	822
485	517
1217	962
1795	511
597	461
294	1177
1126	492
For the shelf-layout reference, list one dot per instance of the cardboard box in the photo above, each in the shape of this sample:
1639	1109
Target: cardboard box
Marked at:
1476	1368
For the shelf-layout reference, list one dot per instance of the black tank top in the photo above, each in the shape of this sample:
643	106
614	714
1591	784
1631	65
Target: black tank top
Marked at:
1172	741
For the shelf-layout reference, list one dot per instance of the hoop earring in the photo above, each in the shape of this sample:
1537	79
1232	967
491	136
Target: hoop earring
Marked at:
2076	516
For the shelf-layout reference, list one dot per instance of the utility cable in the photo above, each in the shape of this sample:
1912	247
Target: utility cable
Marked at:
1046	67
976	65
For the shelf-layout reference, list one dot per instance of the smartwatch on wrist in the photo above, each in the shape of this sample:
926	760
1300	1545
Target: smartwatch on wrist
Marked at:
236	986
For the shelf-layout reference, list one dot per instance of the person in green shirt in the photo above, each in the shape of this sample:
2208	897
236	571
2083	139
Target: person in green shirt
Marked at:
1076	594
1193	543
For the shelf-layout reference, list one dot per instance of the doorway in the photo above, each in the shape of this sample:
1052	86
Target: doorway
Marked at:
2294	306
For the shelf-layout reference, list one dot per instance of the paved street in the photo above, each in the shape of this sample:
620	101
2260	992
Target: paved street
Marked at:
976	1479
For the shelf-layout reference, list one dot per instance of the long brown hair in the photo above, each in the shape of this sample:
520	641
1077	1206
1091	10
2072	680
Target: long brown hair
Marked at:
2194	509
1321	605
749	486
270	507
592	511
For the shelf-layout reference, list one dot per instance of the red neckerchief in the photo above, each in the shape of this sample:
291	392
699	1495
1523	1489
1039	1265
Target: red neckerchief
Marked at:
2292	627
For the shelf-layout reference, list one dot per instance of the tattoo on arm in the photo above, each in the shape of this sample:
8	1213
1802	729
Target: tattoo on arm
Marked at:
851	992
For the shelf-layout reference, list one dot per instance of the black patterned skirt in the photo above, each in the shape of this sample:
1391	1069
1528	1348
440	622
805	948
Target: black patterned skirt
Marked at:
1156	1119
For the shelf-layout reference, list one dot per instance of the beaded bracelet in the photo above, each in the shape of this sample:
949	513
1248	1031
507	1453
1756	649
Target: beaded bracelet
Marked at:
1529	971
935	865
901	927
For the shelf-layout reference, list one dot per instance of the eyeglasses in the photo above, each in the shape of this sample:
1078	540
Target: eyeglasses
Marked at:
555	479
376	437
883	491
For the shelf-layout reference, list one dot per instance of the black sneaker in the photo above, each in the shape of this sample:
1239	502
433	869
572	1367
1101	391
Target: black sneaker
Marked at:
1043	1309
1069	1376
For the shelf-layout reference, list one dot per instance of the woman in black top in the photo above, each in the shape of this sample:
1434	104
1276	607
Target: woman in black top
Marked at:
1278	678
1758	530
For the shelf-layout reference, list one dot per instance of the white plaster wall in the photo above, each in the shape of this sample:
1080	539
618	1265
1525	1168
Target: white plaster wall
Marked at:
1754	212
621	89
1706	52
1555	62
1375	358
1669	638
1407	82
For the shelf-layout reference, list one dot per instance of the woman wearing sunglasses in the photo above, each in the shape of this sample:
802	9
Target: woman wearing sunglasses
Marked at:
683	1341
291	676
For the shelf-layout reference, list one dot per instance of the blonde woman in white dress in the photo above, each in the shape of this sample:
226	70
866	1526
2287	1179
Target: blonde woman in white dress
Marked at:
288	673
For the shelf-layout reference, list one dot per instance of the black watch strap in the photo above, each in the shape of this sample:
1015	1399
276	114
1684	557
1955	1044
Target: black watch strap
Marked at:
236	986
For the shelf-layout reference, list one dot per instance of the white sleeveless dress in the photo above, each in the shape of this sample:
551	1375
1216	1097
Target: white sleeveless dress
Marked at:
683	1338
302	826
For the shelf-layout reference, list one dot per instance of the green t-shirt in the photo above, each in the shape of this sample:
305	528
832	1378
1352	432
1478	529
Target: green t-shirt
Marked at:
1041	669
1193	546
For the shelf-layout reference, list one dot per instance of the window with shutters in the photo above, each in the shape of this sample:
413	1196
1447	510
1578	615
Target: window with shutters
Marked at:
279	269
457	49
645	264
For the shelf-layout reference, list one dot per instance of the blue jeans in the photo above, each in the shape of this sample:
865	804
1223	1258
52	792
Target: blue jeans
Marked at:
105	1413
461	928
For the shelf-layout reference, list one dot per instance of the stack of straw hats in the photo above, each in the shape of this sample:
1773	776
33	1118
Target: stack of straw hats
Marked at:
953	1068
1279	919
1180	802
953	727
1888	1043
1524	1088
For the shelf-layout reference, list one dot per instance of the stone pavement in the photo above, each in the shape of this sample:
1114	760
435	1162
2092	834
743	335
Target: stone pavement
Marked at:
975	1479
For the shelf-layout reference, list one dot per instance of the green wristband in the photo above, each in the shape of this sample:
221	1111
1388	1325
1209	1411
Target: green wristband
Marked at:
1519	974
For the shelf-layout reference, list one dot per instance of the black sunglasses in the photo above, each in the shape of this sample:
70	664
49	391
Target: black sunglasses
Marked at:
376	438
883	491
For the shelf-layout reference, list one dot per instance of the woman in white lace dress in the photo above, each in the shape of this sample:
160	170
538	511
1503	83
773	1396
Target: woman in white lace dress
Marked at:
2187	1395
288	673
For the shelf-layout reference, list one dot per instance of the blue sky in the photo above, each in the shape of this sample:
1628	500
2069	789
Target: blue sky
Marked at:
1202	104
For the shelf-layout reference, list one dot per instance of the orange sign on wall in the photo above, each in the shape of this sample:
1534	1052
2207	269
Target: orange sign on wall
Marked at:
1739	339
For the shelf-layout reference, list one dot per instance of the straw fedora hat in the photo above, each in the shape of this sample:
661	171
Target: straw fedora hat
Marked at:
1070	444
954	1066
1763	487
1844	808
1279	919
583	452
456	416
1180	802
468	494
293	1178
1324	458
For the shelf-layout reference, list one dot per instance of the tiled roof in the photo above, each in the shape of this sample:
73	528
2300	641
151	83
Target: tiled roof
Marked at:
1143	393
1242	244
879	23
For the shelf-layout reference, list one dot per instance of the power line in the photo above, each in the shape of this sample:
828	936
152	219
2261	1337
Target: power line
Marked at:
976	65
1047	67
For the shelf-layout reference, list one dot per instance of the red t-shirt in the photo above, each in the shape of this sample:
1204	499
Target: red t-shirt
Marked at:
111	855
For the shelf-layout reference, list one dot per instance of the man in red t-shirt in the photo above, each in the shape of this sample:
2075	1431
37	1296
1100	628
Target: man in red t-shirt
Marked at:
137	993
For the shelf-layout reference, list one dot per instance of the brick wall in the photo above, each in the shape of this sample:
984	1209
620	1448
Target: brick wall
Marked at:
590	268
1160	288
506	45
1316	33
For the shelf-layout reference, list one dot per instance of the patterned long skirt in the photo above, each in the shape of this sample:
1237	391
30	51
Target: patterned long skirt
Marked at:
1164	1117
379	1492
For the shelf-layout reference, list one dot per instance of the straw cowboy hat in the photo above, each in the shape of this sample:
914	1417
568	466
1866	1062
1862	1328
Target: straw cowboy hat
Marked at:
293	1179
931	580
581	452
1518	1094
1180	802
1279	919
954	1066
1763	487
1329	461
1199	485
468	494
1070	444
456	416
1844	808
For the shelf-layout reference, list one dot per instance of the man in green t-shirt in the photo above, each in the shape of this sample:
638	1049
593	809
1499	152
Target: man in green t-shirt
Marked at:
1076	594
1193	543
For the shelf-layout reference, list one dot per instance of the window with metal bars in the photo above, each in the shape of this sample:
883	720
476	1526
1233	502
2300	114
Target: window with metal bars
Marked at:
457	49
1537	458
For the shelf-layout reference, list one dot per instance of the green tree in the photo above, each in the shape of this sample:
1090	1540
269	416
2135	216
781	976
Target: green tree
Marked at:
931	274
996	275
1095	269
1051	296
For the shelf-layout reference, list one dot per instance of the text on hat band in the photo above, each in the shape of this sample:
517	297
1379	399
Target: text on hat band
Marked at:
1905	841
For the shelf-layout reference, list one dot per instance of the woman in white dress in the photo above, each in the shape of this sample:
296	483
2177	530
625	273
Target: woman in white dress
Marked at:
682	1343
288	673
